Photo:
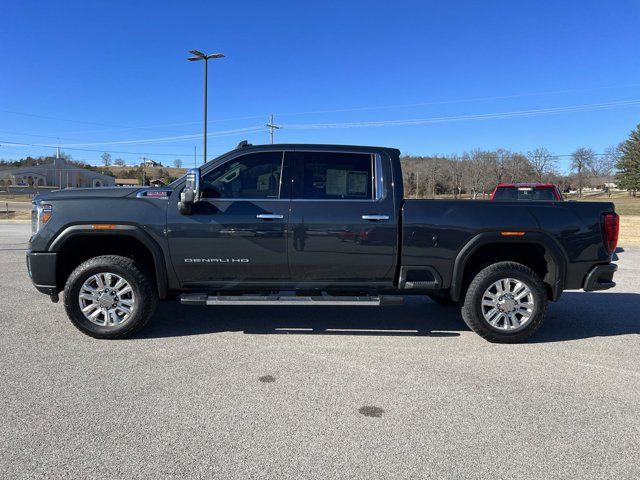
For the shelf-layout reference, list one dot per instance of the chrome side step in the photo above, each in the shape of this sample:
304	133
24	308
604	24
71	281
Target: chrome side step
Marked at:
203	299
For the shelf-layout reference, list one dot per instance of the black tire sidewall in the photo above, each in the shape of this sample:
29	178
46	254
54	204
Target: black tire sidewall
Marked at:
472	309
103	265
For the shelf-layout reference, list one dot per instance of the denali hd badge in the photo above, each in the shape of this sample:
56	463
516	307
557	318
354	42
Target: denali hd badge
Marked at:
216	260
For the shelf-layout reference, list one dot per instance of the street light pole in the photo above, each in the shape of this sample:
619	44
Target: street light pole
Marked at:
198	55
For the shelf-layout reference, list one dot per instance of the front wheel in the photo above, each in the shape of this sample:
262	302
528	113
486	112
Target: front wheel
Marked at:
505	303
109	297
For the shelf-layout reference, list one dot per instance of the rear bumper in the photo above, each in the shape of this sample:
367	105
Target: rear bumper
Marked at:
600	277
42	270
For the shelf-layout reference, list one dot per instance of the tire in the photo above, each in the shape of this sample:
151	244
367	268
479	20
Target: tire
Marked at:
514	320
140	299
443	299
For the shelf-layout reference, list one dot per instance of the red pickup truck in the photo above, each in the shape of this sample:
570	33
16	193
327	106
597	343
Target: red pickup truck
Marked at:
526	191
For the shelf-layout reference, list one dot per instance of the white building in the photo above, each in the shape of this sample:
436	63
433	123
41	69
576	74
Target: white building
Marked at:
54	174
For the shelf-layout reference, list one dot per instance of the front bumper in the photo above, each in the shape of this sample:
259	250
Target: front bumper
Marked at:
600	277
42	270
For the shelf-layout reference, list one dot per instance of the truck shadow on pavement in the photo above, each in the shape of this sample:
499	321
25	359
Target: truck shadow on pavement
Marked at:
577	315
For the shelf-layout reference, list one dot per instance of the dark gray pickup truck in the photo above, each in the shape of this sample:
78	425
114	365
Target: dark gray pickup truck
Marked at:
311	225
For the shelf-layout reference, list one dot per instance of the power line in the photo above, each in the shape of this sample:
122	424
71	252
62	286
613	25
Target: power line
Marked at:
382	123
71	146
458	118
464	100
339	110
3	142
59	119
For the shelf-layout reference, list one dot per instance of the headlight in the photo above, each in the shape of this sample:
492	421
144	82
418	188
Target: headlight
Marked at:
40	214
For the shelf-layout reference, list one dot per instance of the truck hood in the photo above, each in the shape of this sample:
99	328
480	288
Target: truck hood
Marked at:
85	193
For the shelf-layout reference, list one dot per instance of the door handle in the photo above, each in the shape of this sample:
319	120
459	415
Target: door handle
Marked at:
375	218
270	216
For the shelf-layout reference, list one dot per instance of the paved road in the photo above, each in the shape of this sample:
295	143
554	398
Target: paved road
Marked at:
14	206
250	392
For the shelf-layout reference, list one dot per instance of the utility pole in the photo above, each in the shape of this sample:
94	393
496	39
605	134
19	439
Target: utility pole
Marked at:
195	163
272	126
144	164
198	55
58	163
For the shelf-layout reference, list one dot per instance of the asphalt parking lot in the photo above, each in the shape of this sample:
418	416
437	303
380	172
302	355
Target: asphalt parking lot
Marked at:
318	392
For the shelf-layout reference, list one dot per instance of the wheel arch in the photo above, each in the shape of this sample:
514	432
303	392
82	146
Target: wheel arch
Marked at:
127	238
530	249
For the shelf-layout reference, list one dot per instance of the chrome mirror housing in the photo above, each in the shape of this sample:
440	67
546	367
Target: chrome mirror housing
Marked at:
191	192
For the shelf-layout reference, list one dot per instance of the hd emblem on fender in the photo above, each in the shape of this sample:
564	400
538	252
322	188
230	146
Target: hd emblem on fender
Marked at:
216	260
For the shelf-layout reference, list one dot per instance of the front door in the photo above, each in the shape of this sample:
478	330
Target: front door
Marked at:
237	230
342	226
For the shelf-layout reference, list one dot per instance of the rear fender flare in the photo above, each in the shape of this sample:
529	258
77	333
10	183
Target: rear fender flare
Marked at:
559	257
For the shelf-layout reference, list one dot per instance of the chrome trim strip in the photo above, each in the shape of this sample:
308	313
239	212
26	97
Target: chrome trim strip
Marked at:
143	193
380	194
290	300
85	227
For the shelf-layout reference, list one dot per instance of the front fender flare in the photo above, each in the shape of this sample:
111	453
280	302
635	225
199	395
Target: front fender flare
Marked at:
121	230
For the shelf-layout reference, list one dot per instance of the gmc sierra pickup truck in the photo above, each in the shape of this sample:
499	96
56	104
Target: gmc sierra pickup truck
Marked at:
311	225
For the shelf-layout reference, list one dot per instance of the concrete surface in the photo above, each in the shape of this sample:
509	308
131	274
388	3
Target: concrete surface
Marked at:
14	206
321	392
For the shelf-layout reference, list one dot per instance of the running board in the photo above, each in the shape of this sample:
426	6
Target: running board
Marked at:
203	299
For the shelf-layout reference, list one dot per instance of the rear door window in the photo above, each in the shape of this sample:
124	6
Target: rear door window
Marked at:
333	176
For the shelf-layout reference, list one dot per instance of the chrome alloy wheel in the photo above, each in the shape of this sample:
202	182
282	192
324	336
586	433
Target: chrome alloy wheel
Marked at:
508	304
106	299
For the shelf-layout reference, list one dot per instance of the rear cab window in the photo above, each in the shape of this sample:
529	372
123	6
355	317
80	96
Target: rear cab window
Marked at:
524	193
333	176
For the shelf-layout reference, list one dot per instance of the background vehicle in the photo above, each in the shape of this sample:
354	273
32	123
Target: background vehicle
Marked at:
526	191
277	224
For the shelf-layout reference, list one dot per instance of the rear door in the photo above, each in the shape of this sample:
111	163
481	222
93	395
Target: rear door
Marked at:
342	218
237	230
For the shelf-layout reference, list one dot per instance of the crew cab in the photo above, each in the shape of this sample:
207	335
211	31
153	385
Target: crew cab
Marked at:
312	225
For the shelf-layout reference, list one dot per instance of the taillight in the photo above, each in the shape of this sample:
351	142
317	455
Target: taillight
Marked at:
610	229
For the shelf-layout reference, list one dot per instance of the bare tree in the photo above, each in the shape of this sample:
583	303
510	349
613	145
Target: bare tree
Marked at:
177	163
517	167
542	162
106	159
499	163
119	162
582	161
605	165
476	172
456	173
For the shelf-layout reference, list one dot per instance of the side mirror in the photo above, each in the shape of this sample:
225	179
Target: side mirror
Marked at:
191	192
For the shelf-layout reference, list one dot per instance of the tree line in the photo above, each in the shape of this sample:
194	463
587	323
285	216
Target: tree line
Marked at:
474	173
477	172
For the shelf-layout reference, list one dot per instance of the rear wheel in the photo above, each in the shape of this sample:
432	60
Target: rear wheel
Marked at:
505	303
109	297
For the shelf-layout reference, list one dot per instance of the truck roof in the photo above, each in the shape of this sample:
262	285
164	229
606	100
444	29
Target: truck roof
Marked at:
324	146
527	184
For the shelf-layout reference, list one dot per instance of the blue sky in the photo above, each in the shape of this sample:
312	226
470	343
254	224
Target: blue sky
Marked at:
87	74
